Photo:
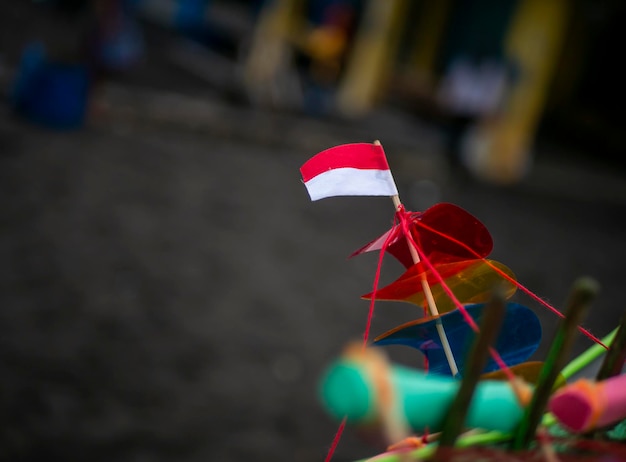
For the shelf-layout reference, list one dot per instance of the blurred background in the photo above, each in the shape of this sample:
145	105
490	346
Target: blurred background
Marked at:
169	292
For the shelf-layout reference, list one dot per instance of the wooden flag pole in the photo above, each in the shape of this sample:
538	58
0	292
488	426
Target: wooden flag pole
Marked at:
432	305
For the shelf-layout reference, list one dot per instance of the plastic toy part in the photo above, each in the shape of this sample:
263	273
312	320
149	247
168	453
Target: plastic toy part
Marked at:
519	338
471	281
444	232
585	405
347	391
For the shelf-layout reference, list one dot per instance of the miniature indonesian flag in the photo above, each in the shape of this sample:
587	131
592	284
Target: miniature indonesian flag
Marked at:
359	169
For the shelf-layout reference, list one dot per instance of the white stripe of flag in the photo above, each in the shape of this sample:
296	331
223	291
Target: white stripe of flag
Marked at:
358	169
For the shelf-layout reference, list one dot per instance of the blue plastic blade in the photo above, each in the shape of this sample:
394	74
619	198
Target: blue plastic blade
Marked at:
518	339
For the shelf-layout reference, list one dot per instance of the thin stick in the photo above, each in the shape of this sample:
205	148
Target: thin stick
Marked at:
432	305
476	360
615	357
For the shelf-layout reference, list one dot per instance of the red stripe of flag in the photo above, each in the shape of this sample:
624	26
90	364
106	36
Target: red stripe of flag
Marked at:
363	156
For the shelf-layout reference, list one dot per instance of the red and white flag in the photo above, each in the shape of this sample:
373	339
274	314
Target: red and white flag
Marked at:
358	169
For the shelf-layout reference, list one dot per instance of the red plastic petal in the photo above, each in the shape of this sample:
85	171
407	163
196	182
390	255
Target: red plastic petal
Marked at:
444	232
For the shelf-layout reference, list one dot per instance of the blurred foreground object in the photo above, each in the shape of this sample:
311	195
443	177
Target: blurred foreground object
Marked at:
349	389
586	405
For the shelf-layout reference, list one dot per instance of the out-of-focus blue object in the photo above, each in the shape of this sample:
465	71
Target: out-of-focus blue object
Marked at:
519	337
50	93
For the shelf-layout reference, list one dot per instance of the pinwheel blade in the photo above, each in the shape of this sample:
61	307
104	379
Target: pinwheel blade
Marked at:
519	337
471	281
444	232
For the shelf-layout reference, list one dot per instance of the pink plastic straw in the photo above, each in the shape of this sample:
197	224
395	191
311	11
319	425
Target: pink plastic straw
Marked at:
585	405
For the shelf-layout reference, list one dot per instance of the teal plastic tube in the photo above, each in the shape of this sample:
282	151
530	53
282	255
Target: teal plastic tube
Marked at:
346	391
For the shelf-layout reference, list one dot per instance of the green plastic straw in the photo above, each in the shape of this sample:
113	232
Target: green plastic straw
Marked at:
587	357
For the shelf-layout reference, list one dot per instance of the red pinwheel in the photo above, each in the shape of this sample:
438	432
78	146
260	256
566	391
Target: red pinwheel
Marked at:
444	232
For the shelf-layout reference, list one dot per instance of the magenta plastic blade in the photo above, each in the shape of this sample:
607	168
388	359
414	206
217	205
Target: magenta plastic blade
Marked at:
444	232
